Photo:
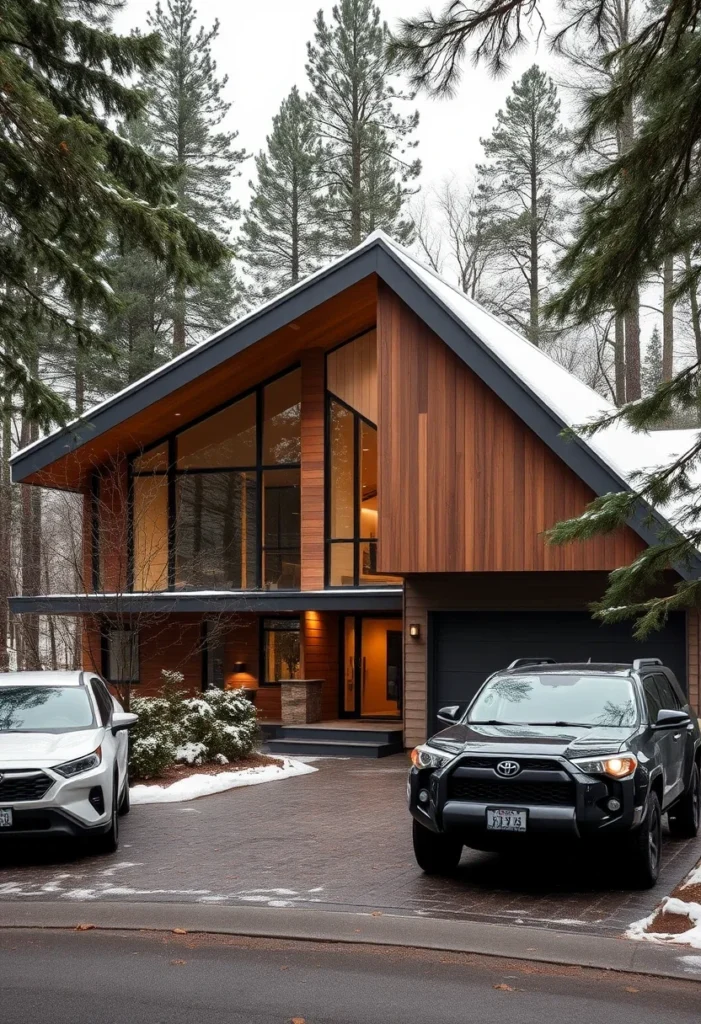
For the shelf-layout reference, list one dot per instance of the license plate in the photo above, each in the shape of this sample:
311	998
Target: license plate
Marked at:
506	819
5	817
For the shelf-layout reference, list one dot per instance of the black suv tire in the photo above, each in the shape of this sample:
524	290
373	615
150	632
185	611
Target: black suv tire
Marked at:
646	847
125	802
684	816
436	854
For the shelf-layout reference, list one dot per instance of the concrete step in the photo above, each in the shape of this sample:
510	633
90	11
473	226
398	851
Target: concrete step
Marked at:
320	734
330	748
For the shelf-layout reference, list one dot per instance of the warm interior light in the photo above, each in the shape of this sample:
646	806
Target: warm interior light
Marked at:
415	630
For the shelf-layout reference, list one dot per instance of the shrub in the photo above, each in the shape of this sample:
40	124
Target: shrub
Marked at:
223	721
151	741
219	725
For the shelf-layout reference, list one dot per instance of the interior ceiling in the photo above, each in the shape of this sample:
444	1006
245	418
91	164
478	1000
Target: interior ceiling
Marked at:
328	324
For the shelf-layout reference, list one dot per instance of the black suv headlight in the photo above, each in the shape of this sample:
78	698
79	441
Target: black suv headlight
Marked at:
618	766
426	756
81	764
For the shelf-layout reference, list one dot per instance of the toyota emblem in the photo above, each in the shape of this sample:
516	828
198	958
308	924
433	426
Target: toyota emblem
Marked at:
508	768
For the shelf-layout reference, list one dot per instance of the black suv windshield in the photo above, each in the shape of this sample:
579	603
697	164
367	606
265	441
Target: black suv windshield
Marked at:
44	709
554	699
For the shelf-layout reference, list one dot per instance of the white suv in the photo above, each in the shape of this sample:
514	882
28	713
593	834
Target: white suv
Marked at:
63	757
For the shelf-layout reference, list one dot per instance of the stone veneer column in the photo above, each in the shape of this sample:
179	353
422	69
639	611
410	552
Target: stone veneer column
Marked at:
301	701
312	474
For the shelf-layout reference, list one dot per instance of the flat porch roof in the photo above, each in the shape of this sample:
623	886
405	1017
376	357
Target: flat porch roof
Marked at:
344	599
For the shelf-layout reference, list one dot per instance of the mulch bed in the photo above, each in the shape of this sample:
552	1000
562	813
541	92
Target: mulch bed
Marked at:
665	923
183	771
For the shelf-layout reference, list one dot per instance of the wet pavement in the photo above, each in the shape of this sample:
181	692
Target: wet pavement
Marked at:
337	839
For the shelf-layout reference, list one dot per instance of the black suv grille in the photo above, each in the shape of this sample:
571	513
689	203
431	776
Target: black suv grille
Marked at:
16	786
534	764
497	791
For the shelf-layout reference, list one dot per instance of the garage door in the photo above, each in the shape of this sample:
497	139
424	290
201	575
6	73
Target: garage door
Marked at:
468	646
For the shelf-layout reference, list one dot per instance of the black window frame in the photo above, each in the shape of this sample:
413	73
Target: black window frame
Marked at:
356	540
665	688
263	631
172	473
105	655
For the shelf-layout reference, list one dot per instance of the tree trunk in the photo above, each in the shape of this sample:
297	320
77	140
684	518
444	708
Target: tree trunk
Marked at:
30	542
294	266
626	137
5	535
79	382
179	320
667	319
534	319
632	349
620	360
694	303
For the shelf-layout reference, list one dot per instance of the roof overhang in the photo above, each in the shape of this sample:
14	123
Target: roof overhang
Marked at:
347	599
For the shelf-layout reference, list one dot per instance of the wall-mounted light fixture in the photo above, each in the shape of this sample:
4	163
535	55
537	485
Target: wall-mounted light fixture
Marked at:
415	631
239	666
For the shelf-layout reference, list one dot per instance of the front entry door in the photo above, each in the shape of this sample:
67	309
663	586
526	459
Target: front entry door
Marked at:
372	667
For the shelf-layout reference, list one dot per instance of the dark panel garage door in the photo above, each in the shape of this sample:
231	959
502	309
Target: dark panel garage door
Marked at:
467	646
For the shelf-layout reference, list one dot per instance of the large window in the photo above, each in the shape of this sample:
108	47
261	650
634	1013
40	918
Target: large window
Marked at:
120	656
352	499
281	650
216	506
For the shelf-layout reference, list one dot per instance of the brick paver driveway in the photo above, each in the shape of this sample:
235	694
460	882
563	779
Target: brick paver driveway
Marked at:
335	839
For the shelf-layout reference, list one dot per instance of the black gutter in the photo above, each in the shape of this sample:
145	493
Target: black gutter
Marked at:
353	600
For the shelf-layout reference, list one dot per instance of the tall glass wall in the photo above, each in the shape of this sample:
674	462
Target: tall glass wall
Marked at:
216	506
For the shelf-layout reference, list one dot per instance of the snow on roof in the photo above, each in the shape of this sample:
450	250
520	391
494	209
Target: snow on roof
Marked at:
623	450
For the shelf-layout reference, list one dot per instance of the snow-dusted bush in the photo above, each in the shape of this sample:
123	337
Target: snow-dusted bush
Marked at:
223	721
152	739
219	725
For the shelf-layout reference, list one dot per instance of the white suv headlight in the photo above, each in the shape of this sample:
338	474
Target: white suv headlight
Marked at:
81	764
428	757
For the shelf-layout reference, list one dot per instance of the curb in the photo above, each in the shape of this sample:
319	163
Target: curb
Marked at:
522	942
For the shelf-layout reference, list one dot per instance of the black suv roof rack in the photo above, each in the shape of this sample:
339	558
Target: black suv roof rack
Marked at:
522	662
645	663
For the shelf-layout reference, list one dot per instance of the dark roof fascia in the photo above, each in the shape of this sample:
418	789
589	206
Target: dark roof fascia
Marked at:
514	391
356	599
205	357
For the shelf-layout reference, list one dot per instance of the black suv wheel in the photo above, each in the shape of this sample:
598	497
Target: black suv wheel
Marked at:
108	842
646	847
684	816
435	853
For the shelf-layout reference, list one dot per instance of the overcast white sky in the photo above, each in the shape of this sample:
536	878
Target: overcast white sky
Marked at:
262	48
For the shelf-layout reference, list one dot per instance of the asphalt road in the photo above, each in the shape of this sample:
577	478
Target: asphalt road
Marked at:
150	978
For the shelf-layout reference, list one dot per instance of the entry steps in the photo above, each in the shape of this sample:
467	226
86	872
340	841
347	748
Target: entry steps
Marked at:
333	742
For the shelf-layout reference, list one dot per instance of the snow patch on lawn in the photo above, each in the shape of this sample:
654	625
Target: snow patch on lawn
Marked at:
671	905
195	786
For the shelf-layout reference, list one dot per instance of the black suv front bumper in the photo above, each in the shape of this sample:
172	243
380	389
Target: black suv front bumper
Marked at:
557	797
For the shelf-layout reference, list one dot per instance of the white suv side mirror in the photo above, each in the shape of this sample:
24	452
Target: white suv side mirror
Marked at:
123	720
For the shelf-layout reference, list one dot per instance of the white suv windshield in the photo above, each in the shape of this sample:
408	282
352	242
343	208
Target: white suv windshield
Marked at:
554	699
44	709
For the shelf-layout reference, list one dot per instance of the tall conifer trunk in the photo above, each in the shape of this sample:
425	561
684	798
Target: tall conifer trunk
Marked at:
620	360
694	303
667	319
534	285
6	524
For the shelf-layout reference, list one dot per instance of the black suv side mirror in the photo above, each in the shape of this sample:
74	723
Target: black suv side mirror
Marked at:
449	715
671	720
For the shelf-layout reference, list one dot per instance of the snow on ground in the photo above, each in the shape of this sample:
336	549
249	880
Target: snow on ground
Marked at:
671	905
198	785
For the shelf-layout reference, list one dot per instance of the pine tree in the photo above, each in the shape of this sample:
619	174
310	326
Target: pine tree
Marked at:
652	375
367	164
526	154
184	117
282	238
69	180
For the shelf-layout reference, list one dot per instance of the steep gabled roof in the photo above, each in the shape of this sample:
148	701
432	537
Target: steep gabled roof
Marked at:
542	392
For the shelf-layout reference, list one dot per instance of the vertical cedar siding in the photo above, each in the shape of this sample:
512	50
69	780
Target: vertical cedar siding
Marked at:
464	484
312	471
693	671
320	656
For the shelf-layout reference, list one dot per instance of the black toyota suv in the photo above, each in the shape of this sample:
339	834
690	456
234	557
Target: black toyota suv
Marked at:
586	751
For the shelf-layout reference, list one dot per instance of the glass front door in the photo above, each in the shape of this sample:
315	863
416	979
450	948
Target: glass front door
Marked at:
372	667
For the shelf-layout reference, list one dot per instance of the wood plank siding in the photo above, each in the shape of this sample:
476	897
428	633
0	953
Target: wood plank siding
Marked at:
351	374
464	484
312	471
320	657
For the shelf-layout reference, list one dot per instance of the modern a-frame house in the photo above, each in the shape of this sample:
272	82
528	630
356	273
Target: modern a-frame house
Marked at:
349	485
